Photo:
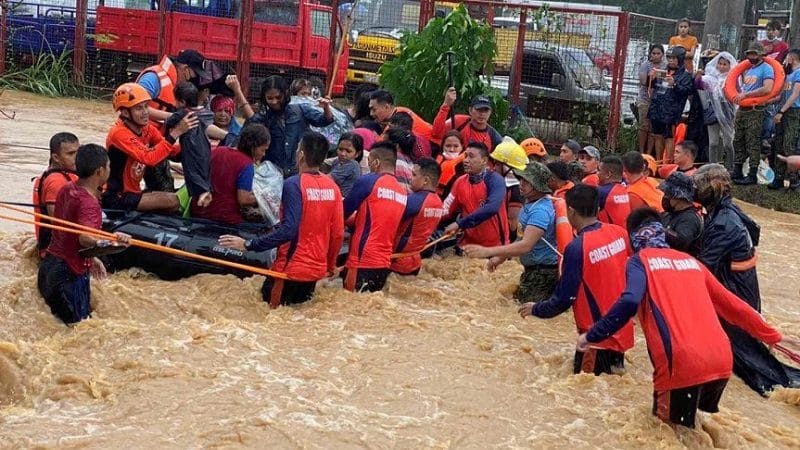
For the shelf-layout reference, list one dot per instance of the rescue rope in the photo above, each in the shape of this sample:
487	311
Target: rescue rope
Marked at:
80	229
789	354
425	247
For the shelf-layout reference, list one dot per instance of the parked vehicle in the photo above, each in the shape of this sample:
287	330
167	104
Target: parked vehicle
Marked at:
562	91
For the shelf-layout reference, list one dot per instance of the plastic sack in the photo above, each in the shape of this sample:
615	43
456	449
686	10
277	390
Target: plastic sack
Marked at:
765	174
341	120
268	189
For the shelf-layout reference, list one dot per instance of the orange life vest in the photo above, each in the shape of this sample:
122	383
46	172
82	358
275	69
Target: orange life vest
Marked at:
43	234
645	191
168	76
564	231
448	167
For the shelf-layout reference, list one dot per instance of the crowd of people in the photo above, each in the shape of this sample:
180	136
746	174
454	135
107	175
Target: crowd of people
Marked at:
598	234
757	126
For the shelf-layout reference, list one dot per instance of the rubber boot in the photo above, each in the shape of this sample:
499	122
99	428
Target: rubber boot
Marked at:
750	179
777	183
794	181
737	172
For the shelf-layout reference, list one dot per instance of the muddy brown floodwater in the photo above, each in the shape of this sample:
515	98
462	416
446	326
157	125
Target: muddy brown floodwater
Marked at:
437	361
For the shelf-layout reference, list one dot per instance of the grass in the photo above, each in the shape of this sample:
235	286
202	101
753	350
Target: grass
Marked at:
779	200
49	75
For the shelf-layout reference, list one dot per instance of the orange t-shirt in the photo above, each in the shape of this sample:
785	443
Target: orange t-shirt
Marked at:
53	184
689	43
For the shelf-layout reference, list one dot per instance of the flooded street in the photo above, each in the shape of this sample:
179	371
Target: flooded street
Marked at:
437	361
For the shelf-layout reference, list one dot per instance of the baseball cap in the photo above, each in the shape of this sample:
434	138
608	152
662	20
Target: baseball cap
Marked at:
573	145
755	47
592	151
537	174
194	59
481	101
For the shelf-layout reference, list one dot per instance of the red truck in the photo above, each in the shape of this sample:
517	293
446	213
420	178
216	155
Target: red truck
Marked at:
288	37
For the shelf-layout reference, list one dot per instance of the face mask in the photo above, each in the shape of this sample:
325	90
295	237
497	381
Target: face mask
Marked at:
450	155
754	61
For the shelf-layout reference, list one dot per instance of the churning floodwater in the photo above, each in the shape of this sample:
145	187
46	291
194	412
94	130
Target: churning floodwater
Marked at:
437	361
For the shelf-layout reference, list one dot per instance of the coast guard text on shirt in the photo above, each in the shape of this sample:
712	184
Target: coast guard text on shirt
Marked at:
315	194
673	264
388	194
606	251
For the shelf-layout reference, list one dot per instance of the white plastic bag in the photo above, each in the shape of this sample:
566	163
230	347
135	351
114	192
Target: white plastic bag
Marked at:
268	189
765	174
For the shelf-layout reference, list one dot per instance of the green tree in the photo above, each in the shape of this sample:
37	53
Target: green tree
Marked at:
418	76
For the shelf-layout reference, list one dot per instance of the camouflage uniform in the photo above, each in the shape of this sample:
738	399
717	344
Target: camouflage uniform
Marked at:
537	282
786	141
159	178
747	137
575	172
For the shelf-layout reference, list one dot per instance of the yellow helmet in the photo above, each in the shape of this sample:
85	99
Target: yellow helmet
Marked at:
511	154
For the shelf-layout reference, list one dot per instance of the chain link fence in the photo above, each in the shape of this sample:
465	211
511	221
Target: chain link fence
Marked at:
571	73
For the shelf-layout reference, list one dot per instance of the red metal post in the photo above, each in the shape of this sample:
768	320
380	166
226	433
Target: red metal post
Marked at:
3	25
79	48
618	80
426	10
162	28
516	72
333	48
245	44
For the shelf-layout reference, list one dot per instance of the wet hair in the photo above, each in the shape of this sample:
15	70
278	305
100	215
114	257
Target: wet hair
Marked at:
356	140
686	21
90	157
690	147
372	125
187	93
641	216
633	162
480	147
430	168
361	102
775	25
713	182
253	135
274	82
298	84
316	82
453	133
559	169
402	119
403	139
384	152
584	199
613	164
382	96
654	47
315	148
59	139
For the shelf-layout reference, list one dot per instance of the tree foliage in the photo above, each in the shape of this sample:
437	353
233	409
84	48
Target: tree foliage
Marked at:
418	76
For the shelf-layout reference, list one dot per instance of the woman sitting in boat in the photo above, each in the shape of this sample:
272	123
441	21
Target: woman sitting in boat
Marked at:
232	171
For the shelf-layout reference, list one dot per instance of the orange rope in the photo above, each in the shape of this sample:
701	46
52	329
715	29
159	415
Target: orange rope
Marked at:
80	229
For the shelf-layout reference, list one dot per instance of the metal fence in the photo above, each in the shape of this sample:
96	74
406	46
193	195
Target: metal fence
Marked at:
571	71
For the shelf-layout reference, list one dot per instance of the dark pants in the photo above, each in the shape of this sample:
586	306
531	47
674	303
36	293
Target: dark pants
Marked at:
599	361
748	126
365	280
679	406
786	141
67	294
284	292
